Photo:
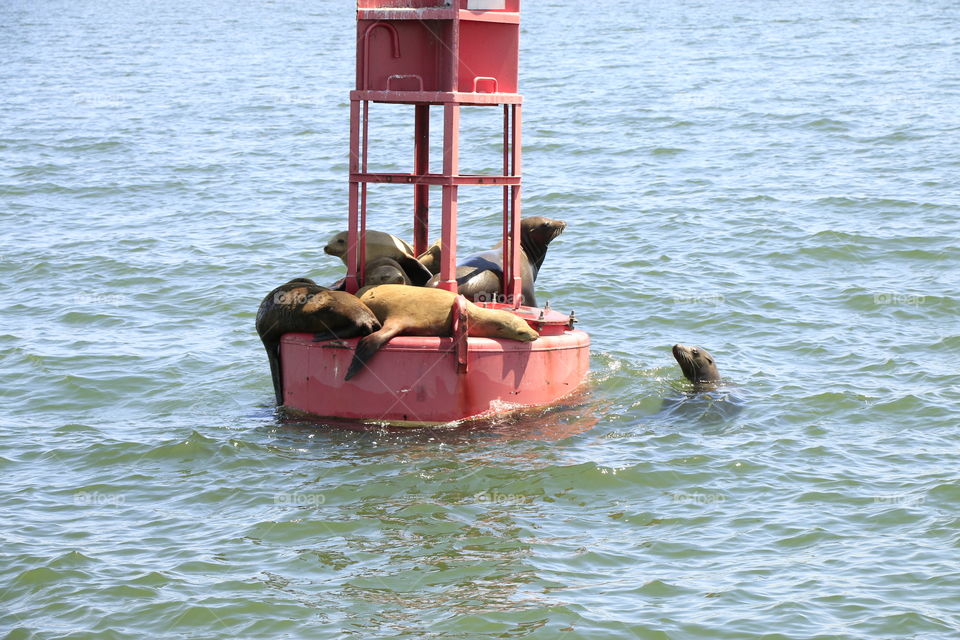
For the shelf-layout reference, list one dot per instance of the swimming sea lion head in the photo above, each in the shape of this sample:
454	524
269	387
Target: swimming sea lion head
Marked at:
536	233
696	363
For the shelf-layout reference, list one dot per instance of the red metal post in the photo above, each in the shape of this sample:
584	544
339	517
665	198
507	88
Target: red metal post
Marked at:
507	234
362	236
451	167
516	285
455	48
421	192
354	199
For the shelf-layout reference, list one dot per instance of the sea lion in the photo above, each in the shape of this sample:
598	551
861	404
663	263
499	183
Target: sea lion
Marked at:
385	271
697	365
379	245
431	258
303	306
480	276
416	311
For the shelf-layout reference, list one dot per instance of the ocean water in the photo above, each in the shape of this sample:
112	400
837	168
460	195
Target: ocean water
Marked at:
775	181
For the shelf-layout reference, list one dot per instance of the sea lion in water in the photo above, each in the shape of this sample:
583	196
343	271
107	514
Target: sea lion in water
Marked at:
303	306
697	365
480	276
431	258
416	311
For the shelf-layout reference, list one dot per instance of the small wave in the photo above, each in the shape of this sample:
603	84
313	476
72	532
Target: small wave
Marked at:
666	151
867	202
828	124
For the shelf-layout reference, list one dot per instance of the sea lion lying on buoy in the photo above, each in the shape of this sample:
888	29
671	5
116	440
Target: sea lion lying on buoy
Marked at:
431	258
698	366
379	245
414	311
382	245
303	306
480	276
385	271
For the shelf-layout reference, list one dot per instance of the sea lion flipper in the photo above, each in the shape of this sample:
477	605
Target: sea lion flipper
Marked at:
273	356
367	347
322	336
416	272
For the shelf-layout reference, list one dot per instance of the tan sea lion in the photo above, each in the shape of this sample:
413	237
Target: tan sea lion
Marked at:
414	311
302	306
383	245
379	245
431	258
480	276
697	365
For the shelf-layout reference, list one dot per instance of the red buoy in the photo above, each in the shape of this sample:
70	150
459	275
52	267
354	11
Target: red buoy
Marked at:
444	53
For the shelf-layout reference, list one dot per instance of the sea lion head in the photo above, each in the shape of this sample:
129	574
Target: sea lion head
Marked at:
696	363
379	243
337	246
495	323
336	308
536	233
385	271
431	258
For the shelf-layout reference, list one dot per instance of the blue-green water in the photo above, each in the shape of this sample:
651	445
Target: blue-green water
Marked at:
775	181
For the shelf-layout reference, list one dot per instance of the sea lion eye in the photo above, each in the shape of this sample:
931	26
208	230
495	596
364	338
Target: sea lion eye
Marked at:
695	352
709	361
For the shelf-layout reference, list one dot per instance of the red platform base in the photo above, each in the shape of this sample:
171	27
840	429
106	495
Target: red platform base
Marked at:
418	381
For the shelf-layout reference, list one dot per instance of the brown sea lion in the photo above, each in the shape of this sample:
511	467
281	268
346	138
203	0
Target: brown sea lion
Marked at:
480	276
414	311
302	306
431	258
697	365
